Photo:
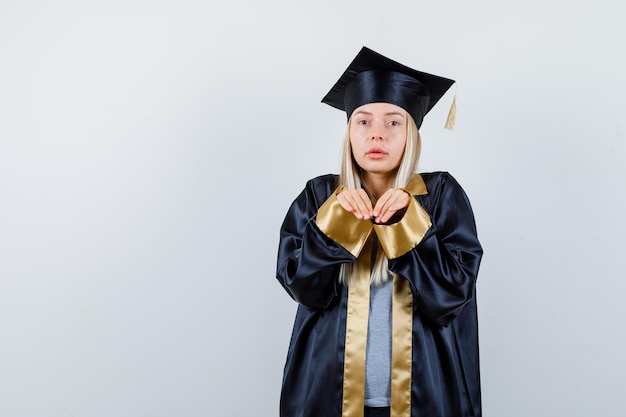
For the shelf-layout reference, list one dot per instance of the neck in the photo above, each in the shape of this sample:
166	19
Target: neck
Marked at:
377	184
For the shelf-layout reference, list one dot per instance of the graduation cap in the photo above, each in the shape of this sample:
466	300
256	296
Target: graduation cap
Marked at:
374	78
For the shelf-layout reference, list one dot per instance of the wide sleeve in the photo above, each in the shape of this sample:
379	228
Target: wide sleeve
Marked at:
308	259
442	267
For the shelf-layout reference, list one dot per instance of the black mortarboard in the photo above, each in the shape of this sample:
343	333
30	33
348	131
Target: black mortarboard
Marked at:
374	78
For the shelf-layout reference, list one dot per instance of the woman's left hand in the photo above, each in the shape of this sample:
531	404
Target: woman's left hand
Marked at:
390	203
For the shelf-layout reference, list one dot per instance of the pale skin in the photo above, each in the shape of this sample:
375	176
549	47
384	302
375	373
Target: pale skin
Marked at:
378	138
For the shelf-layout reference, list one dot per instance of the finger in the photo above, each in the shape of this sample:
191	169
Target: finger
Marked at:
341	198
355	201
398	201
385	214
382	201
362	203
385	203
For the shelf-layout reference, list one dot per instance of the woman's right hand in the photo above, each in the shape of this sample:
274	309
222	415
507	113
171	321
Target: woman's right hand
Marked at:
357	202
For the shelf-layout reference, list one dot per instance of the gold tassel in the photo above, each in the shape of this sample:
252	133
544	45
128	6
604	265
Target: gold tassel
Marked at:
451	120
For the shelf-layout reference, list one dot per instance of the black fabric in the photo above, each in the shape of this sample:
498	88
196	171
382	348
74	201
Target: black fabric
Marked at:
442	272
374	78
388	87
377	411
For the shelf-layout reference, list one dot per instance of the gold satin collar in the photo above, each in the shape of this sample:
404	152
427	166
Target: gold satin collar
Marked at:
417	186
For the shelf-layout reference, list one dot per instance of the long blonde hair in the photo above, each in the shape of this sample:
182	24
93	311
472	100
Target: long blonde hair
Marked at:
350	178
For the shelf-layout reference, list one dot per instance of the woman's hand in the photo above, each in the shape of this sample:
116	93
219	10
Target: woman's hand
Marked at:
391	202
357	202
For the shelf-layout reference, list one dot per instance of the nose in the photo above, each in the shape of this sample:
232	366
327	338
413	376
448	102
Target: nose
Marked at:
376	133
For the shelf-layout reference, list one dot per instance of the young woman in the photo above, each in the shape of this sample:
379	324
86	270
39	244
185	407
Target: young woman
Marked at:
383	263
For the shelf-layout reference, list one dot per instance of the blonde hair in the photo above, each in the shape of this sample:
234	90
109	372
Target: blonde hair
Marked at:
350	178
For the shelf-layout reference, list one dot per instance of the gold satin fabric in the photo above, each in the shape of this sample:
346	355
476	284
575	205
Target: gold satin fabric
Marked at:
341	225
396	239
356	342
416	185
401	347
399	238
356	337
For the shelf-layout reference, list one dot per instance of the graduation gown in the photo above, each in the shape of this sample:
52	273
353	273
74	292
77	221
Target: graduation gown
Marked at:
440	264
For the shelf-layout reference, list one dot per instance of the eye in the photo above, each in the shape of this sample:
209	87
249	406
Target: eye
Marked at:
394	123
362	122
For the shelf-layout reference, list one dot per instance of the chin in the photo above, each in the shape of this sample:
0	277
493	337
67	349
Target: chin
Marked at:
381	171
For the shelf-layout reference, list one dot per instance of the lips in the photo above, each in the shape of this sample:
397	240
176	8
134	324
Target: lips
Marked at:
376	153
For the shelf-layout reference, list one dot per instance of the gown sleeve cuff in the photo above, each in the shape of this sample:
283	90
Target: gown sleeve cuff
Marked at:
398	238
342	226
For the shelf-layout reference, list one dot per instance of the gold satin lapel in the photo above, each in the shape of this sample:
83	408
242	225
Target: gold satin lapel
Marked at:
416	185
401	348
356	337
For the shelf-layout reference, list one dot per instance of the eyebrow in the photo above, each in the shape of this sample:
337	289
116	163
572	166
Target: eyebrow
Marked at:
391	113
395	113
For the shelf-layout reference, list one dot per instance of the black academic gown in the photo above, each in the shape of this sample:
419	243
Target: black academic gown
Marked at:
442	272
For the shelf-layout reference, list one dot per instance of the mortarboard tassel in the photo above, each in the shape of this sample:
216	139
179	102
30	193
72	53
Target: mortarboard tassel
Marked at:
451	120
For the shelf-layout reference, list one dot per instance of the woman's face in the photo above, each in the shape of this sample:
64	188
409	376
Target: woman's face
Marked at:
378	137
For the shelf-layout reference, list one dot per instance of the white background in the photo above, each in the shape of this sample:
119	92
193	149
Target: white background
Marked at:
150	149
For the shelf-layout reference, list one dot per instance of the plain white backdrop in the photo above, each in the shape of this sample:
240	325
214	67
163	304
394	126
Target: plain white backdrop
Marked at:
150	149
